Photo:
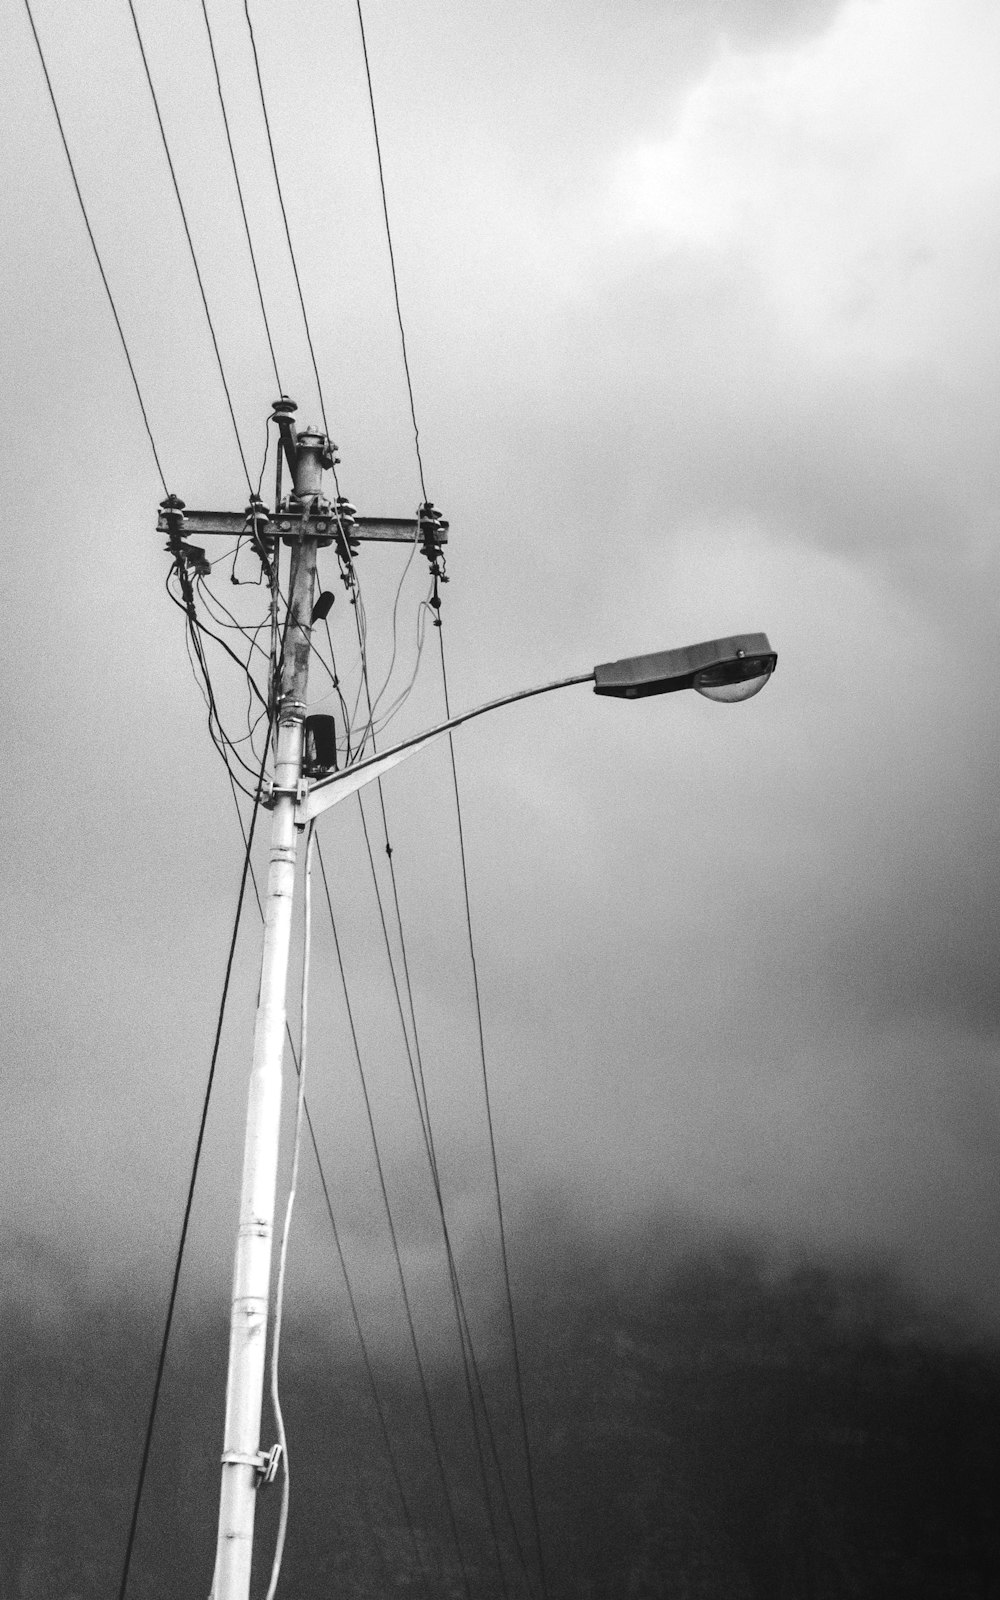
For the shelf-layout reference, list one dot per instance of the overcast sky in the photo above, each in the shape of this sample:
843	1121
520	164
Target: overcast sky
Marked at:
703	327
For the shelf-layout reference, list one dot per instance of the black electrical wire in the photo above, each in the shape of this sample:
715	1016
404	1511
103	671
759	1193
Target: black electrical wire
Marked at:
93	245
392	257
415	1062
284	218
422	1101
336	685
414	1344
225	745
518	1382
201	628
243	209
470	1360
171	1304
199	666
250	634
187	232
369	1368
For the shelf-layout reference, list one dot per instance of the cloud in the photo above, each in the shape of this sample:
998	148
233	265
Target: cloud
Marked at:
852	174
703	335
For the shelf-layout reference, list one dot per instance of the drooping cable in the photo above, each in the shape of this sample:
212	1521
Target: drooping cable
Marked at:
415	1062
279	1295
392	256
224	743
187	233
394	1240
243	209
515	1352
93	246
284	218
470	1362
394	1467
175	1281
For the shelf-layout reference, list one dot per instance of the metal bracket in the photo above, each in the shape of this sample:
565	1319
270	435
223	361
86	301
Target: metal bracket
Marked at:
298	794
265	1463
231	524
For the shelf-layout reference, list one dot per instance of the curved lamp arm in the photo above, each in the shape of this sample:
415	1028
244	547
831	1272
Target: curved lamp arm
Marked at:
326	792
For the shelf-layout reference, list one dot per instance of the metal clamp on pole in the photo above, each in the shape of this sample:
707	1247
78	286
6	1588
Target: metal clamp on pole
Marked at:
265	1463
299	794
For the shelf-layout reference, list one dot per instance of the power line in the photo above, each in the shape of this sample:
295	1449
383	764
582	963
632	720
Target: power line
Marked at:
284	218
187	232
369	1369
392	256
243	209
93	245
470	1362
162	1361
518	1383
404	1292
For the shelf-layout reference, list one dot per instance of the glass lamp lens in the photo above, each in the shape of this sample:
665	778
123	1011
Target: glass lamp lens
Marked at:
734	680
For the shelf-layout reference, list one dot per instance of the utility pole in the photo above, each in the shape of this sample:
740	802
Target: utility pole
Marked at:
303	522
244	1466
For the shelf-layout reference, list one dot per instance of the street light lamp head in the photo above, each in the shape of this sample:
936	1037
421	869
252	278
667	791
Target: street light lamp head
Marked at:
721	669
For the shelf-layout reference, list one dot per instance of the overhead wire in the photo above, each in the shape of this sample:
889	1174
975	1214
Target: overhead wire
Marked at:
515	1351
356	596
394	1240
243	209
478	1001
373	705
190	240
196	629
416	1069
470	1363
392	254
93	245
284	217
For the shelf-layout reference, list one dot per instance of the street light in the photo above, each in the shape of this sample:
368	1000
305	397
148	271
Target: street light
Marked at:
727	670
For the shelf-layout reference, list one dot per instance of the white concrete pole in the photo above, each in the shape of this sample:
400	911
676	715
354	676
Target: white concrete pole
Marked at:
242	1460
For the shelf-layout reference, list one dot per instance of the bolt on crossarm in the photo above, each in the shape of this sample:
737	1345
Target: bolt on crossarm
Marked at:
244	1465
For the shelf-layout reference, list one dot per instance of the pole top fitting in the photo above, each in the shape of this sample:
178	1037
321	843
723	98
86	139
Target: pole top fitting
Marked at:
313	440
283	408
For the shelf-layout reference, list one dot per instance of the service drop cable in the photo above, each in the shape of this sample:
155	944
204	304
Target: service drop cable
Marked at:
279	1297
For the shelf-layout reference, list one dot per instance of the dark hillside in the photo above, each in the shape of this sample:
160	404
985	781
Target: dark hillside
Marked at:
703	1425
